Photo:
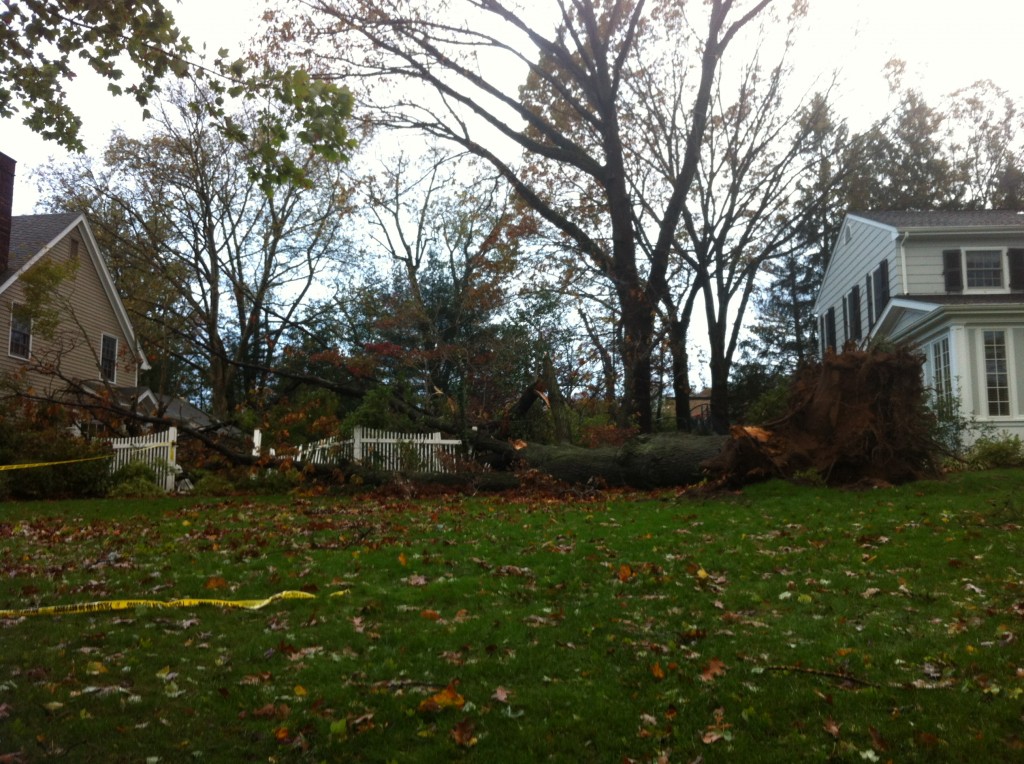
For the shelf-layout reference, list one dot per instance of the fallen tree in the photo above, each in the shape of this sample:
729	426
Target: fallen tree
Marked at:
857	416
658	460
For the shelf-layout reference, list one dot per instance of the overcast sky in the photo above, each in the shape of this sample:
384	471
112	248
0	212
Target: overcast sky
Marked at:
947	44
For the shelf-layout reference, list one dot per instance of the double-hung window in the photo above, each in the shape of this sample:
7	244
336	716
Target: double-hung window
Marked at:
984	268
108	358
21	333
997	375
942	375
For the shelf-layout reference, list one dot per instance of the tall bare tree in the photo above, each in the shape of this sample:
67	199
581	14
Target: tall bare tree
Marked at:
563	141
225	261
756	156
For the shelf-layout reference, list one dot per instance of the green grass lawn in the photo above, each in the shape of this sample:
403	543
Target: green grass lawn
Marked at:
780	623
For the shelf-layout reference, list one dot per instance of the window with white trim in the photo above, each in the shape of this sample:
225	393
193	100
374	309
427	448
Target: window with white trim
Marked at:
21	333
108	358
942	376
997	375
984	268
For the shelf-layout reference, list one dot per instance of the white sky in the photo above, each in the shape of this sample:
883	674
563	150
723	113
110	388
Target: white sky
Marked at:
947	44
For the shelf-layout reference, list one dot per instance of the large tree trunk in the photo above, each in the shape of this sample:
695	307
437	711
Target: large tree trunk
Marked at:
680	374
661	460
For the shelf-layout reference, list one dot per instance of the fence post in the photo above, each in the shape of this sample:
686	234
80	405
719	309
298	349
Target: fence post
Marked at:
257	441
357	443
172	459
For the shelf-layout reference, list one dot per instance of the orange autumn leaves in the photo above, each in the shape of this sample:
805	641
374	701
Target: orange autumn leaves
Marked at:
711	671
463	733
449	697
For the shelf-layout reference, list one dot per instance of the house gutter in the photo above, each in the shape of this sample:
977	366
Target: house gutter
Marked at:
903	260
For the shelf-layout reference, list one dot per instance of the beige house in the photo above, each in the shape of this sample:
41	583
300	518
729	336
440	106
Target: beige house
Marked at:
62	322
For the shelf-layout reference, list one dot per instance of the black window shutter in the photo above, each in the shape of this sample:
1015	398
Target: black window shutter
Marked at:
846	319
854	313
1016	258
830	328
870	300
952	270
881	278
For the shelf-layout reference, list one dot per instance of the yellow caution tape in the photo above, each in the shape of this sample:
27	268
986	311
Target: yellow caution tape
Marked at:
96	607
133	449
50	464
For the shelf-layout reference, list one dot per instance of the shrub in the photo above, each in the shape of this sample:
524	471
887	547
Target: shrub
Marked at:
270	481
135	480
212	484
994	451
86	476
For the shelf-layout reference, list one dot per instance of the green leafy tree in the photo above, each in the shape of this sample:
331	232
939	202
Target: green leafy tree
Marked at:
43	40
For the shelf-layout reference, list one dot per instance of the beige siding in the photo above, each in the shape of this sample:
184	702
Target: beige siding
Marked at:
86	315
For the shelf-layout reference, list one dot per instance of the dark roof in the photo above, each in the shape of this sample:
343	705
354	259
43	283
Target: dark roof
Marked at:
29	234
946	218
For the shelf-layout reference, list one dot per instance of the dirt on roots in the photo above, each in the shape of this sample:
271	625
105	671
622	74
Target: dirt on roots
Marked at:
856	417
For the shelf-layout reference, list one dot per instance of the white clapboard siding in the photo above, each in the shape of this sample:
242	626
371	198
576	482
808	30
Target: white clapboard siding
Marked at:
158	450
383	450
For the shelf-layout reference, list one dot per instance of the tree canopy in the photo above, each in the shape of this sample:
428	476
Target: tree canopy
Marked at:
576	122
136	46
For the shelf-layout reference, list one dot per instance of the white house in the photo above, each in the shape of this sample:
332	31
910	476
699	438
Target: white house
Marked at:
949	283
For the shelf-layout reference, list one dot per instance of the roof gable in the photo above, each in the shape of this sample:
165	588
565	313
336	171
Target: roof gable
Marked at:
32	236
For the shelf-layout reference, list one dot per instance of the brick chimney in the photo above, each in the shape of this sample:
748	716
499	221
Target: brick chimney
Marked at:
6	204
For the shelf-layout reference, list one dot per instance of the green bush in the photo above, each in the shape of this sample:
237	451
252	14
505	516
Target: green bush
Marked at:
135	480
86	476
136	488
270	481
212	484
994	451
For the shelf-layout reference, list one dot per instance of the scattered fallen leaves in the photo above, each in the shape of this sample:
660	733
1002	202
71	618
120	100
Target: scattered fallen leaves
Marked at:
463	734
718	730
877	741
447	698
715	668
831	727
216	582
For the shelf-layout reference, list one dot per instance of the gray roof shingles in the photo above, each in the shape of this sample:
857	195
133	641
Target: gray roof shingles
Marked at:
29	234
946	218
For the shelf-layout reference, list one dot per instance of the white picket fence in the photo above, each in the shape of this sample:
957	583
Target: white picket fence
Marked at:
381	450
158	450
